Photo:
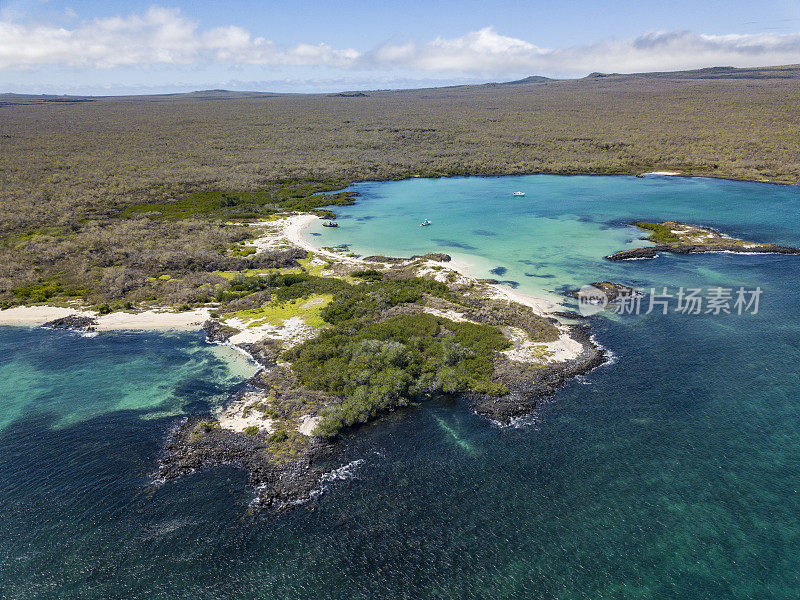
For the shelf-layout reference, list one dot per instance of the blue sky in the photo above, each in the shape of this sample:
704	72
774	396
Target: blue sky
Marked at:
123	47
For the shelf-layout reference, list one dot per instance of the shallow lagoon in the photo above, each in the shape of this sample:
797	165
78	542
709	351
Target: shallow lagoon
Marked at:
672	473
555	237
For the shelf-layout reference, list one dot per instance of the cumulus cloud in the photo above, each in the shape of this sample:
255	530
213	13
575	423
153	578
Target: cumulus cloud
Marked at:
488	51
163	36
159	36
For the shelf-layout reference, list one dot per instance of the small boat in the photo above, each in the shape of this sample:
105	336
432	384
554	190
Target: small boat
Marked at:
329	224
519	193
425	223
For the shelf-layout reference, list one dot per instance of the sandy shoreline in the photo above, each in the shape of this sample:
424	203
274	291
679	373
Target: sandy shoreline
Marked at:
293	233
281	233
34	316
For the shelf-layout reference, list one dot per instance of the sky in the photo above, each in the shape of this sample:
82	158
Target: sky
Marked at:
116	47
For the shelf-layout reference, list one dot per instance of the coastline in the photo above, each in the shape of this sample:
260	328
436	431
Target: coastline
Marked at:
277	444
290	233
296	225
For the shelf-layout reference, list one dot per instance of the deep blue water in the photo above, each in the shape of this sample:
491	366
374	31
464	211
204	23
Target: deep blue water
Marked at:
672	473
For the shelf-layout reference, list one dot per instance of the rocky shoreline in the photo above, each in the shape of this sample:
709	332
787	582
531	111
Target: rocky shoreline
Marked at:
530	386
653	251
72	323
281	484
200	442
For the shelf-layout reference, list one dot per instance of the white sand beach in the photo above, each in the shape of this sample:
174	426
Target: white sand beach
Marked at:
147	320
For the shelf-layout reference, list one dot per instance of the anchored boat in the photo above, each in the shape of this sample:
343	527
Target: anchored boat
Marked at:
425	223
329	224
519	193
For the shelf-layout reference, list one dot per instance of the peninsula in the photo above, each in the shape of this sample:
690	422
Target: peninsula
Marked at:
684	238
344	340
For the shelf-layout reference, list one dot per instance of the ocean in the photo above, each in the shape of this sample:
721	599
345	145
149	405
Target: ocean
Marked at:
671	472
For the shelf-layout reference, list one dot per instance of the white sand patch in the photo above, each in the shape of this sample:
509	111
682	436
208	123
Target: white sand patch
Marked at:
540	306
447	314
291	332
232	417
307	424
152	319
38	315
526	350
442	272
673	173
502	292
288	231
146	320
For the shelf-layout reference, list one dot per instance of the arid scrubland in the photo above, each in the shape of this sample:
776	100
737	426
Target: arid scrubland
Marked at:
71	173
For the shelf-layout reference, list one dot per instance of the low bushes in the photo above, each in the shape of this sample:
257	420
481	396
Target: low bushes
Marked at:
374	367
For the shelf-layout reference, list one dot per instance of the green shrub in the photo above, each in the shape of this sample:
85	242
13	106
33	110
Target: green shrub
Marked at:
39	292
279	196
375	367
251	430
278	436
662	234
368	275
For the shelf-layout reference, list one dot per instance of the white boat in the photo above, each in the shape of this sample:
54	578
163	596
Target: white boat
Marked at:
519	193
425	223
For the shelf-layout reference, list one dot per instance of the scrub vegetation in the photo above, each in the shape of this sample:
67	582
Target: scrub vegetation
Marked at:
377	349
661	234
101	198
375	367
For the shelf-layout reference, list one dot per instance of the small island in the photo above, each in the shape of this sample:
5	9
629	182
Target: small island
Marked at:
613	291
684	238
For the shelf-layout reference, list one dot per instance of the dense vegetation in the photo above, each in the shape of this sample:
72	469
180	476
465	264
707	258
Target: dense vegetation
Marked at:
280	196
101	195
373	364
377	351
661	234
152	254
373	367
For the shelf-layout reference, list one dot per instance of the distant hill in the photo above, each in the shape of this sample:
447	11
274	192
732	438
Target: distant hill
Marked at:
28	99
710	73
531	79
780	72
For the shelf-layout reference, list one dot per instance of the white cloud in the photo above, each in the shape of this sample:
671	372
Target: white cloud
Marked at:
163	36
487	51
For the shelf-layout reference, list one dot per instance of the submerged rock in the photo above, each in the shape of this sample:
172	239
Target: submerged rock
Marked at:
613	291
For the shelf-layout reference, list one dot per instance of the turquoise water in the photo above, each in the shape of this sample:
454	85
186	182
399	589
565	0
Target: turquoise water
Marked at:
160	376
555	236
672	473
